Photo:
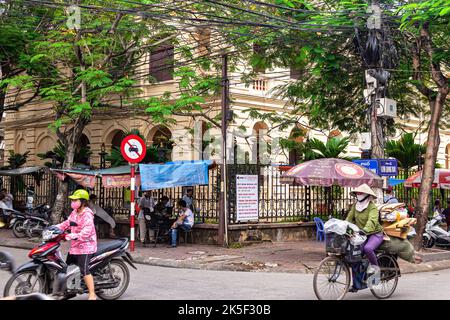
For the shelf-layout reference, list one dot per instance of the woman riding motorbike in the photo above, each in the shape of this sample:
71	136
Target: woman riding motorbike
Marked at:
364	214
83	236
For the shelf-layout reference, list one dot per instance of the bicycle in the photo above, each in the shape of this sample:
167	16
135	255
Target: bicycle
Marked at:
332	276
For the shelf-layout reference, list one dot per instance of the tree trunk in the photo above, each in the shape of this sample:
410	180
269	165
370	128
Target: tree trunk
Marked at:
429	166
63	187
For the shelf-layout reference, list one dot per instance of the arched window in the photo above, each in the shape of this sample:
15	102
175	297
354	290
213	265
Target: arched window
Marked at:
82	150
161	138
335	134
117	138
260	130
296	137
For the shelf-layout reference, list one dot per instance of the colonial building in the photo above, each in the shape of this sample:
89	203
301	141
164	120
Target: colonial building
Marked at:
28	128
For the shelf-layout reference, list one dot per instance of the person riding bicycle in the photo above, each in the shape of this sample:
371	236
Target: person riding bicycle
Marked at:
83	236
364	214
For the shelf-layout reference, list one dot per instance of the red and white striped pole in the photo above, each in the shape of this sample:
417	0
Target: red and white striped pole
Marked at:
133	181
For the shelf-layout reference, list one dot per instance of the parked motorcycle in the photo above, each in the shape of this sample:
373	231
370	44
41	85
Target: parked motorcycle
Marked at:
16	223
37	220
108	266
435	235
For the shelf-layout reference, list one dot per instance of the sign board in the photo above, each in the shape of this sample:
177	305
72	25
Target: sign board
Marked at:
387	167
371	164
246	197
133	148
382	167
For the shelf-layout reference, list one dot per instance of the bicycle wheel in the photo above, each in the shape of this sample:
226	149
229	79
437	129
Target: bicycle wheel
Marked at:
331	279
388	280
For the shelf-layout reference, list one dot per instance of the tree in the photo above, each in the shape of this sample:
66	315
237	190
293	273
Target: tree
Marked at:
87	66
425	24
19	25
406	151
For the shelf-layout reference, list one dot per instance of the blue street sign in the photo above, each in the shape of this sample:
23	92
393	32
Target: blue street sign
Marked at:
371	164
387	167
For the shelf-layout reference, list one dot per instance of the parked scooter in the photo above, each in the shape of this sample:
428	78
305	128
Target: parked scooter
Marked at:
108	266
37	220
17	223
435	235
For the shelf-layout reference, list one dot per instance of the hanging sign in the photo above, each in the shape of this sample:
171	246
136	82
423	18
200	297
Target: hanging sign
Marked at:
247	197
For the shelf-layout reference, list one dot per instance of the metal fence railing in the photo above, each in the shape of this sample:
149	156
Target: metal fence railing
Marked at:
277	202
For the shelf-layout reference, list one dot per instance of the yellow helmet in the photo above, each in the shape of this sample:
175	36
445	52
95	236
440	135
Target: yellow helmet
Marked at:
80	194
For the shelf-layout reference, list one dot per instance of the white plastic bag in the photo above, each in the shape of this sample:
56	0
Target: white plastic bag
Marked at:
354	227
336	226
357	239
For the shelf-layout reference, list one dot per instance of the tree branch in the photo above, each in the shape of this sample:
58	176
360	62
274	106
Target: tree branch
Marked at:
436	73
417	75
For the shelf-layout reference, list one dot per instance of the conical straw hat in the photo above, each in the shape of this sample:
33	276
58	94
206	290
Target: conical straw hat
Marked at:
364	188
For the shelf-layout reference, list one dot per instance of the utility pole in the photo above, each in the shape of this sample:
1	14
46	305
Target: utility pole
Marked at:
373	81
376	81
223	213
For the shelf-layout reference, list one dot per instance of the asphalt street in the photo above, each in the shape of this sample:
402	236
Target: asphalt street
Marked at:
161	283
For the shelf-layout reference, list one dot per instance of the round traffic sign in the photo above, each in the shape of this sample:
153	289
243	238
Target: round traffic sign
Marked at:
133	148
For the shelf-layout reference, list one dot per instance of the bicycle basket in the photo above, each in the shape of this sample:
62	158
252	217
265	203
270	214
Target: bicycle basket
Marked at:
353	253
335	243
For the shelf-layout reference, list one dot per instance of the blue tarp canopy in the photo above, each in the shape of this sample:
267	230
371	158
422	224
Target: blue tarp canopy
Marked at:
394	182
174	174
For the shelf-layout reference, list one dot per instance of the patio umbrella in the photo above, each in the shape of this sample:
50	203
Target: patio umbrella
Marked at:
441	179
330	171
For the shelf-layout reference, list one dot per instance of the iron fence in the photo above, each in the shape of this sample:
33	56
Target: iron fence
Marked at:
277	202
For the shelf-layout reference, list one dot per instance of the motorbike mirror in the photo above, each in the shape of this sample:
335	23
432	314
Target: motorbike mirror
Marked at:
6	261
73	224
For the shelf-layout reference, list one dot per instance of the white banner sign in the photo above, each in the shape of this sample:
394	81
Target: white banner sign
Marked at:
246	197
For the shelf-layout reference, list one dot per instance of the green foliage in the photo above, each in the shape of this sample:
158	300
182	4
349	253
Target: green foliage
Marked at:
406	151
17	160
59	154
333	148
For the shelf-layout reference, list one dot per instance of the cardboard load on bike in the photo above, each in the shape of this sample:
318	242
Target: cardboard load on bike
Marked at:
392	212
399	229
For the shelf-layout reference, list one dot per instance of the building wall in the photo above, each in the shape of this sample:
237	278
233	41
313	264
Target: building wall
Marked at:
28	129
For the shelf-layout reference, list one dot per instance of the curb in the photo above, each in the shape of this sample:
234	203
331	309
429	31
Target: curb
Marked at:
236	264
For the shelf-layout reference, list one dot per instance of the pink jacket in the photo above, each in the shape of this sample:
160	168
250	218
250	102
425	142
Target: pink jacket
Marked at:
83	236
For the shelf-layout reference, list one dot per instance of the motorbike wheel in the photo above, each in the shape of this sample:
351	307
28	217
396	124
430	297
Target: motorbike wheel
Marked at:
119	271
18	229
428	242
22	283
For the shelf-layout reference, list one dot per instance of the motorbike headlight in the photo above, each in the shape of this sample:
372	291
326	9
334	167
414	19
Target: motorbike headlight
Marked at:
47	207
47	235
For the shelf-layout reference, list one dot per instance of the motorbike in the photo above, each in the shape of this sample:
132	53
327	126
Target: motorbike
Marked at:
37	219
108	267
16	223
435	235
7	264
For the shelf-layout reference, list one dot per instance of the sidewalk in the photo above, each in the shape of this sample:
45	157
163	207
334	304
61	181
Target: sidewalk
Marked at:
294	257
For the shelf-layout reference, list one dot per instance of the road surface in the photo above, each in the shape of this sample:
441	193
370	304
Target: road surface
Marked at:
161	283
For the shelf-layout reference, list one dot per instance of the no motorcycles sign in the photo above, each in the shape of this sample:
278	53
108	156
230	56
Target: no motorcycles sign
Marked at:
133	148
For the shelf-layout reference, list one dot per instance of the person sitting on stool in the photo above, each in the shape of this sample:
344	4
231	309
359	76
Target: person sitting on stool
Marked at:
185	222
